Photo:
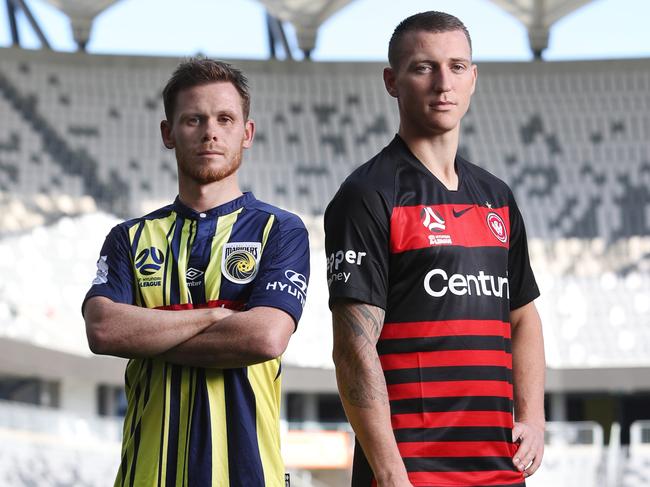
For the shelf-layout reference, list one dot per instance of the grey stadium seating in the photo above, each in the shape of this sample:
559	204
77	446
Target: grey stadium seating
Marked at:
80	133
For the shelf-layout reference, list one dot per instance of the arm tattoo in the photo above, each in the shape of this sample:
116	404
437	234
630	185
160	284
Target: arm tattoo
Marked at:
360	377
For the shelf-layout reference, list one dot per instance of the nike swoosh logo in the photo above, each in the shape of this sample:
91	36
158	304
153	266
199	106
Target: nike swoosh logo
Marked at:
460	213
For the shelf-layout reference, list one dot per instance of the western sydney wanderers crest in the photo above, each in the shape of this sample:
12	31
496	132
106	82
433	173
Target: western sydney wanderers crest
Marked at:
239	261
497	226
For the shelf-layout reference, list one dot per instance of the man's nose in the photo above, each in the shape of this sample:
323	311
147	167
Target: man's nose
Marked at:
210	131
442	81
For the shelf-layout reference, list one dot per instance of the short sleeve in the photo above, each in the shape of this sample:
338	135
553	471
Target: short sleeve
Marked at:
284	270
523	287
357	232
114	278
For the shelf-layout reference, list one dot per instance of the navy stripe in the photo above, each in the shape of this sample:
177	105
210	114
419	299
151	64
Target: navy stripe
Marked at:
454	373
172	251
244	461
188	252
279	372
136	448
458	464
174	414
432	344
162	424
135	435
136	237
200	438
200	256
454	433
188	420
442	404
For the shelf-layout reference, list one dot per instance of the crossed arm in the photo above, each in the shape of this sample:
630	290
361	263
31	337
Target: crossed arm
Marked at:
210	337
362	388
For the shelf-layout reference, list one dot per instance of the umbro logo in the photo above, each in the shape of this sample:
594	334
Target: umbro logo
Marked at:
192	274
460	213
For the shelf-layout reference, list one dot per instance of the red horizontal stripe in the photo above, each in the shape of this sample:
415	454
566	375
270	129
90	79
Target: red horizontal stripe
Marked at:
215	303
450	389
447	358
495	477
472	229
453	418
457	449
419	329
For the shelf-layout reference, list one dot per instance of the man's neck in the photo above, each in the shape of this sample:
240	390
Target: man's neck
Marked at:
203	197
437	153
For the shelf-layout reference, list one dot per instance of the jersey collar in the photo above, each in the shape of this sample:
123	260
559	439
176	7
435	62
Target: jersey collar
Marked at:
402	150
224	209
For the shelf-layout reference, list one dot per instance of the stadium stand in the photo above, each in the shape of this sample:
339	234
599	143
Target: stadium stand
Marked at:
573	455
570	138
41	447
80	149
637	468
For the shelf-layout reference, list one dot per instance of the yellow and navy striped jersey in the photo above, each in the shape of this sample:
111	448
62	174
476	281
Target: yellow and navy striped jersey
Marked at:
190	426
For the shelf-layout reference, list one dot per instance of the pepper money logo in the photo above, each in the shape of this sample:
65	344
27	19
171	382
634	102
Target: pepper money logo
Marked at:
239	261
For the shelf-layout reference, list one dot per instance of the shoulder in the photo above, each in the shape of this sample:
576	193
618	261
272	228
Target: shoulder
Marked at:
492	187
285	220
484	176
123	229
372	183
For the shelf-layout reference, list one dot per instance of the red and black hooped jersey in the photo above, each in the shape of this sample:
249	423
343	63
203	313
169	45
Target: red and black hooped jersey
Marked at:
447	267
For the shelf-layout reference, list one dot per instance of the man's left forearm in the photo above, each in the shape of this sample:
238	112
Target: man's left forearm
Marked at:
529	367
238	340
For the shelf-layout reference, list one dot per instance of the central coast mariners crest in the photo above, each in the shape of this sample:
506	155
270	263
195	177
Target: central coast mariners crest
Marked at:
240	260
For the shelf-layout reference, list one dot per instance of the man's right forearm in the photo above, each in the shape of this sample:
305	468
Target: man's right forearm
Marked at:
362	388
130	331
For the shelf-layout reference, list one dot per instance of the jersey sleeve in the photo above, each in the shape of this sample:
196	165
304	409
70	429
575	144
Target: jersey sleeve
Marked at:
357	232
114	278
523	287
283	276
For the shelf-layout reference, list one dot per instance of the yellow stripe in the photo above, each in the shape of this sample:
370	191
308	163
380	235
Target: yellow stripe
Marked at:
169	259
188	234
267	417
154	235
183	424
267	230
221	236
151	416
165	434
218	427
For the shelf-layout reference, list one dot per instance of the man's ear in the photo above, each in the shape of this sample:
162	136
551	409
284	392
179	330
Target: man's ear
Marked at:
249	133
389	82
166	134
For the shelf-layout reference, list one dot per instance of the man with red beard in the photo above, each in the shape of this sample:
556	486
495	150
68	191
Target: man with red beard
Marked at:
202	296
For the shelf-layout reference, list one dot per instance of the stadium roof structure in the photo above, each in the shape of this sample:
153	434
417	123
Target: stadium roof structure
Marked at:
306	16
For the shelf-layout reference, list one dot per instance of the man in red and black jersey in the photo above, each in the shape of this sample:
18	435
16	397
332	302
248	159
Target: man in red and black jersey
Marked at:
437	340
